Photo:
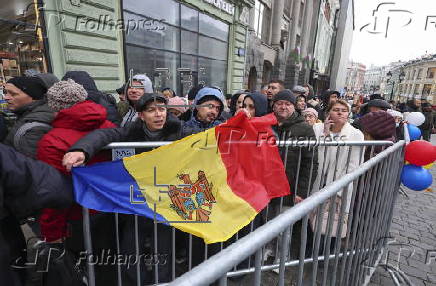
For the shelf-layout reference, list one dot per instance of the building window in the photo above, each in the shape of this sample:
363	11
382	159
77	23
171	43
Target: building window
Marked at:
419	74
426	90
431	72
416	90
179	47
22	50
262	20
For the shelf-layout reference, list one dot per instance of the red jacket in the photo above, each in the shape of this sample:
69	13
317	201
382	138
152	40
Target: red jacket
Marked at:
69	126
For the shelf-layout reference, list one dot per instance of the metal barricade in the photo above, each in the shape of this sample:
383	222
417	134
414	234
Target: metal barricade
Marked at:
335	236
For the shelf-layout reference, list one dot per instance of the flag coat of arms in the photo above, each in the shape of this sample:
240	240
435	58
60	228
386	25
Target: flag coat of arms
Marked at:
210	184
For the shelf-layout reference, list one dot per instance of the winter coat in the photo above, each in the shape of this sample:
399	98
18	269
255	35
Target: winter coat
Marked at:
198	126
123	108
93	142
27	186
3	127
25	138
69	126
329	169
411	106
428	123
296	128
83	78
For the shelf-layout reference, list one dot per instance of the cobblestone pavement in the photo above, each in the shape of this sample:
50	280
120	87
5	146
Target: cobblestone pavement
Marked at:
413	232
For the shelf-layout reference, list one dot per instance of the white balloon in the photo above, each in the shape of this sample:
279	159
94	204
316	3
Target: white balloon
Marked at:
415	118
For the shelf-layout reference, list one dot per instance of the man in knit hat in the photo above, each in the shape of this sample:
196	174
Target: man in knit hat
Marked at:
25	98
141	85
302	161
292	126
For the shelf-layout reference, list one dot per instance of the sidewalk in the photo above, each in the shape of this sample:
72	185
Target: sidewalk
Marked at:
413	231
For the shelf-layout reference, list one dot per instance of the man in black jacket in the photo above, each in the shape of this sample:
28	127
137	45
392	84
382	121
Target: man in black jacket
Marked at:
300	169
154	124
301	163
25	98
27	186
427	126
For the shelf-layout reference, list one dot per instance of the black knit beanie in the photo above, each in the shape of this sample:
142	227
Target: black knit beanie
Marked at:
285	94
32	86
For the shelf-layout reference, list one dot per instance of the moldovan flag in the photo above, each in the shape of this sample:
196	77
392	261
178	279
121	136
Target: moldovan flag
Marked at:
210	184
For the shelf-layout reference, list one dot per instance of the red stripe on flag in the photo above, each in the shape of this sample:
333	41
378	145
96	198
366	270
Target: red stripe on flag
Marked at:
255	171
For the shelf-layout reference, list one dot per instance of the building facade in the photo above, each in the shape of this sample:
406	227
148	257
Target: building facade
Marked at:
324	46
390	79
343	44
178	44
419	81
373	79
355	77
296	41
232	44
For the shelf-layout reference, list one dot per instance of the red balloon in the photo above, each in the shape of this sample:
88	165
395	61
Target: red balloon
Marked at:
420	153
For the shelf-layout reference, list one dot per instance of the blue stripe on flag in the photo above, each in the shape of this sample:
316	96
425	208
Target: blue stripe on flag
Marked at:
108	187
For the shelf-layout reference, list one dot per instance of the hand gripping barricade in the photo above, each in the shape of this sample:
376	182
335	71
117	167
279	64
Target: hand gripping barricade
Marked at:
335	236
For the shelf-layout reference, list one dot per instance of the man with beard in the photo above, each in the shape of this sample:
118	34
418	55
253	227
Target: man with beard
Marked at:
274	87
209	104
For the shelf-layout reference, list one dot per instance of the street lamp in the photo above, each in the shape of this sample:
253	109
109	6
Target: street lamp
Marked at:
388	80
389	75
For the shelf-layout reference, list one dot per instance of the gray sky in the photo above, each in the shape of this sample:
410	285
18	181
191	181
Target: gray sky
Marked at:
404	41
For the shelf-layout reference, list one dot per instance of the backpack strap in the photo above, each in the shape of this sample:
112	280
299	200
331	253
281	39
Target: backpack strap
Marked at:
24	129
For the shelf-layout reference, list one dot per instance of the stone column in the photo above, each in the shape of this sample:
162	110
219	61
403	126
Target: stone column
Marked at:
277	15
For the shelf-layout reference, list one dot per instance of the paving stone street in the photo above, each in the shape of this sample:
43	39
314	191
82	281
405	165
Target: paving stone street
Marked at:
412	248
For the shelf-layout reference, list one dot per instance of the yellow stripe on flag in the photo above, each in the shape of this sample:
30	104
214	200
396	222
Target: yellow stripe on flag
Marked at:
212	212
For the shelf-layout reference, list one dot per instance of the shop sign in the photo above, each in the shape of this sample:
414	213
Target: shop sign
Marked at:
223	5
7	55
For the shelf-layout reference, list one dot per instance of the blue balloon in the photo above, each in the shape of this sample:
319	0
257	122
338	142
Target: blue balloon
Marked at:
414	132
416	177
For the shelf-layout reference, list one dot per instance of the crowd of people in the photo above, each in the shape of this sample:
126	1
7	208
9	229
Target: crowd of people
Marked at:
64	124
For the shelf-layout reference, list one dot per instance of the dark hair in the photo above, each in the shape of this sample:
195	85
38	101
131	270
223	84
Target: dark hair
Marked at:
302	96
311	91
341	102
193	91
170	89
234	101
281	82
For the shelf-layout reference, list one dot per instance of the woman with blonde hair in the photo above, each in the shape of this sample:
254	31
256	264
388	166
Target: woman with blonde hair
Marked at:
335	162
